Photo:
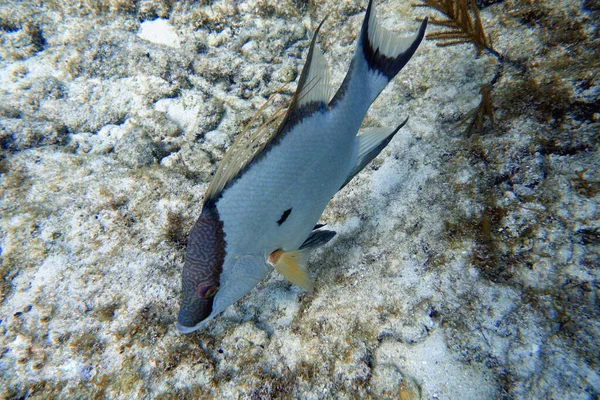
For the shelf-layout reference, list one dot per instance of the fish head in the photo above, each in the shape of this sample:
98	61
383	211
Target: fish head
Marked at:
201	276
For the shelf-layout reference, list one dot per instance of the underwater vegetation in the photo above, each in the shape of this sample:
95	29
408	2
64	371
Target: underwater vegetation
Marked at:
464	25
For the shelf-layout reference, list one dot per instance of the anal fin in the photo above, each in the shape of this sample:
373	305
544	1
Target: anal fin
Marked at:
370	143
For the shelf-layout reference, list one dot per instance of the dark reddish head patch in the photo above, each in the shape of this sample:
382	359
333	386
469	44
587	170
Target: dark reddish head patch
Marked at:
204	258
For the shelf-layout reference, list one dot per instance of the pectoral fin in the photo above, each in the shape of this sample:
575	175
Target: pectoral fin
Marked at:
292	265
370	143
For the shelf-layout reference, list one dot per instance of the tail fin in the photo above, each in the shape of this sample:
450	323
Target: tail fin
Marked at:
378	57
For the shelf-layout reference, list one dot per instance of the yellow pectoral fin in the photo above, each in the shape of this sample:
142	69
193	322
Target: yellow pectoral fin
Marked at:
293	267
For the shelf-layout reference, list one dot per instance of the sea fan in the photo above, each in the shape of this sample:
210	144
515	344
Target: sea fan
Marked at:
464	23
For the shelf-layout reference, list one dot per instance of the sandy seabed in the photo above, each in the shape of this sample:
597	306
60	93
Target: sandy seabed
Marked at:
465	265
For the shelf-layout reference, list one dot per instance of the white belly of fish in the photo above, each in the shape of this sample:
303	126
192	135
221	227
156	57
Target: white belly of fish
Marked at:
300	173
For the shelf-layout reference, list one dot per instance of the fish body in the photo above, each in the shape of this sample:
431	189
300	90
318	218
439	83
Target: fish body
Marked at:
262	207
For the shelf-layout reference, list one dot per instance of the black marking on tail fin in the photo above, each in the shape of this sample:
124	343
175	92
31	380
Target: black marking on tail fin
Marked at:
317	239
389	66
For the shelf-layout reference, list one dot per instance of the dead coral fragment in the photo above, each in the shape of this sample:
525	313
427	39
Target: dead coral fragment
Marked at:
586	187
174	230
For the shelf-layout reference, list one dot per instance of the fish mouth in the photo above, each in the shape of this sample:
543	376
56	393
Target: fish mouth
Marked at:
188	329
184	327
194	314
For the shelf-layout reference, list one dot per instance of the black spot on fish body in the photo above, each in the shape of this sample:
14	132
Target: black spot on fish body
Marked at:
284	216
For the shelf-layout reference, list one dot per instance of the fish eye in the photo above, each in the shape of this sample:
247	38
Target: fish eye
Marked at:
210	292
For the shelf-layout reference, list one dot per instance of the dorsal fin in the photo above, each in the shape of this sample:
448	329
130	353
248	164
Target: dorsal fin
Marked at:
315	76
246	147
313	87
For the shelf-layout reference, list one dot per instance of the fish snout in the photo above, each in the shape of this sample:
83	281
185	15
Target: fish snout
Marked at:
192	313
